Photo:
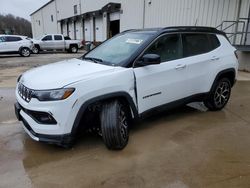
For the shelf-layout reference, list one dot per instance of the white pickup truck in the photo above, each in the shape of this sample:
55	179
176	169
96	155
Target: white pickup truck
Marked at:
56	42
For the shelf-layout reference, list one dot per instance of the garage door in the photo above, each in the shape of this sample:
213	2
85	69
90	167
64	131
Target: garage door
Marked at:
87	32
99	29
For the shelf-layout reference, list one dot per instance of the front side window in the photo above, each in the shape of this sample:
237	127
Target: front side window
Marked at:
13	39
195	44
168	47
120	48
58	37
2	39
47	38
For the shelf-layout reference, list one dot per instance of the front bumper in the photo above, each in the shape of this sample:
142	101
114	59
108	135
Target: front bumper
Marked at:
62	140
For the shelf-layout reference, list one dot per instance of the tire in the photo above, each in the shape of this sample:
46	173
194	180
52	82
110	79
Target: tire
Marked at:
115	125
25	52
36	49
219	95
73	49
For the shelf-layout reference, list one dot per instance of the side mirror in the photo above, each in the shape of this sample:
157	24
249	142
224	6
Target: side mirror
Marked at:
149	59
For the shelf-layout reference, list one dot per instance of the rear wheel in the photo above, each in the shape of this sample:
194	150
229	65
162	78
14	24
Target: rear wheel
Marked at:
115	125
73	49
25	52
219	95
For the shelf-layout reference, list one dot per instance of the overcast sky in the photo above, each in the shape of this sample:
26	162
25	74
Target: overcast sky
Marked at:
21	8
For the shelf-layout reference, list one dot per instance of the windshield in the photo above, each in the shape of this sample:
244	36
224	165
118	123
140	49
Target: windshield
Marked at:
118	49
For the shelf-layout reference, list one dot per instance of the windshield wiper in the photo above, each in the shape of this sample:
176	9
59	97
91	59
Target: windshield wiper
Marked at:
95	60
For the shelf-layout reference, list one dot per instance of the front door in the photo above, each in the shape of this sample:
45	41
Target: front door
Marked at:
166	82
47	43
3	44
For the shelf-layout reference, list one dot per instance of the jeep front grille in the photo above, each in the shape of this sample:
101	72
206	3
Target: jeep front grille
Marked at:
25	92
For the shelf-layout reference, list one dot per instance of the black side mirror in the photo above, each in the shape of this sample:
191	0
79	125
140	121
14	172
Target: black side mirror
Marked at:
149	59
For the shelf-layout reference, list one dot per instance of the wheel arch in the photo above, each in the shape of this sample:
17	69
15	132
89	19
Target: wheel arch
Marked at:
21	47
227	73
73	44
38	46
123	96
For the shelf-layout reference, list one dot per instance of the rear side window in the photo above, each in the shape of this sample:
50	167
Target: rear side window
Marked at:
58	37
13	39
195	44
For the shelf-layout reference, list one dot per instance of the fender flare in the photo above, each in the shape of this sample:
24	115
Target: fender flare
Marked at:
230	70
100	98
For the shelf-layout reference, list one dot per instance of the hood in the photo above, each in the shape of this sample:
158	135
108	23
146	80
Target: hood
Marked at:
58	75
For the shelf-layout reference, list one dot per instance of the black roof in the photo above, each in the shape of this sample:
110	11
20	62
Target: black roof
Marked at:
179	29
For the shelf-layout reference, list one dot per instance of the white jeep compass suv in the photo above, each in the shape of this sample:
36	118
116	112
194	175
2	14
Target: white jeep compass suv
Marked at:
15	44
133	74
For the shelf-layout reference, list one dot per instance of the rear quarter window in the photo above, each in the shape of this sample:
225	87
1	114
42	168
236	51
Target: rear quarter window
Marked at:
214	41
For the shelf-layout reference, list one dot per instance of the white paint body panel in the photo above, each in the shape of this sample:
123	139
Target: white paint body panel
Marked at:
15	46
92	80
87	25
56	44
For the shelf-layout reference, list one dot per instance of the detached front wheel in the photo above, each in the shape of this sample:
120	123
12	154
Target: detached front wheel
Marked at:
114	125
219	95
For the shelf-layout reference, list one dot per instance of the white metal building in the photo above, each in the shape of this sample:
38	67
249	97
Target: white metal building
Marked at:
97	20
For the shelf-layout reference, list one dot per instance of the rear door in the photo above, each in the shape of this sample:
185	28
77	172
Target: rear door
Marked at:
199	51
58	42
13	43
166	82
47	43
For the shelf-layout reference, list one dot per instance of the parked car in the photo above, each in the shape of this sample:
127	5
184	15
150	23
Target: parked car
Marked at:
15	44
130	76
56	42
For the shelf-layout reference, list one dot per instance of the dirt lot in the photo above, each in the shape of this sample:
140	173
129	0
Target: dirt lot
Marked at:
182	148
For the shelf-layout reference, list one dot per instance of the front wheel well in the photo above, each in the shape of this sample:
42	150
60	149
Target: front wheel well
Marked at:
37	46
88	114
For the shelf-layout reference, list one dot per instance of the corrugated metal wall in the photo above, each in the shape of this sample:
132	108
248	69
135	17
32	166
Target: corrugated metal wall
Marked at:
149	13
159	13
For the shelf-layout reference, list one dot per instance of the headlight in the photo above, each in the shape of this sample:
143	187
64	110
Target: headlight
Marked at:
53	95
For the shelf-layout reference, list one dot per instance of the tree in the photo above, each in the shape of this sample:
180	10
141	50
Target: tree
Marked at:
10	24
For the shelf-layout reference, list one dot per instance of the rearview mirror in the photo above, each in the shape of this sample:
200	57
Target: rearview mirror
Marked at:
149	59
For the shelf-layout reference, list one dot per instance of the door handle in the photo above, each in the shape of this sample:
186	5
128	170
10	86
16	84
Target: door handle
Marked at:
215	58
180	66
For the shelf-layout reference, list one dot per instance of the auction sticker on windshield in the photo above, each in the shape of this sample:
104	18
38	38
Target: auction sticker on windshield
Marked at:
134	41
